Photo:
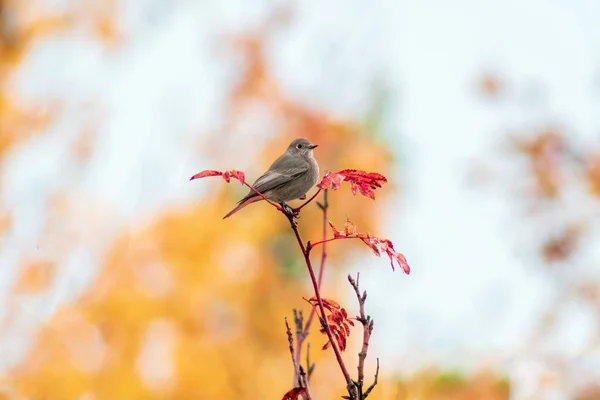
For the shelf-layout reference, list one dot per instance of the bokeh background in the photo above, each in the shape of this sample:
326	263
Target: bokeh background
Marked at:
119	280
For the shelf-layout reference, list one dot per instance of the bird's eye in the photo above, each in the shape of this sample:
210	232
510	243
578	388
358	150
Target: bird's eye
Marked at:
299	146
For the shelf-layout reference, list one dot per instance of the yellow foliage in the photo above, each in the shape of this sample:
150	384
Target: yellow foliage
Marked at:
34	277
192	306
432	384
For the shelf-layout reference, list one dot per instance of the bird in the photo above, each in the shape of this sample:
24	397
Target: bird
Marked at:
293	174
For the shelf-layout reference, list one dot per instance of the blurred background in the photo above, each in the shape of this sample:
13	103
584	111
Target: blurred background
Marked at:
119	280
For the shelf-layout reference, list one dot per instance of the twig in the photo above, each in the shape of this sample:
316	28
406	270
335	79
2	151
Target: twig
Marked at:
304	333
374	381
310	367
299	374
308	201
278	207
315	244
296	380
298	322
323	206
313	279
304	380
367	324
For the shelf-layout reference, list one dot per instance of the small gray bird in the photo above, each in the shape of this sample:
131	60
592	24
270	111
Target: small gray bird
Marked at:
288	178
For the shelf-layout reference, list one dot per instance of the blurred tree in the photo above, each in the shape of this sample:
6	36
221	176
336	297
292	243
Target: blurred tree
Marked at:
558	187
192	306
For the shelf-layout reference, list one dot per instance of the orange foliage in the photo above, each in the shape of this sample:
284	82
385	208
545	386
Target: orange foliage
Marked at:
561	247
192	306
35	277
544	151
434	386
593	174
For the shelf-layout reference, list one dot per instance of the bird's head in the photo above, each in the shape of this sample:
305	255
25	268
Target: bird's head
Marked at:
301	146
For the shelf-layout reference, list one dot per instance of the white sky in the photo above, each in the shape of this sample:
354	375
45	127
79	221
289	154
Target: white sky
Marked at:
471	297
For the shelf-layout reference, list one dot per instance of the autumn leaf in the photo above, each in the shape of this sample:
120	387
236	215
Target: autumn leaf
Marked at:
339	323
365	182
378	245
227	175
294	393
562	246
544	152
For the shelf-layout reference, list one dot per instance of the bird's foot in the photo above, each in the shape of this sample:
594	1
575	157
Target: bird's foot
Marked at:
289	211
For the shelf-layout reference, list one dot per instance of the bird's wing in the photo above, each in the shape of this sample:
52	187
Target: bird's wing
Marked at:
273	179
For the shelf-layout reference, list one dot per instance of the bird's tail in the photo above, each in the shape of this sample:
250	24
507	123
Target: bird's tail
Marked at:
242	204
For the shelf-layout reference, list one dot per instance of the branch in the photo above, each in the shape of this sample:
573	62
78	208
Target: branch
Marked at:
367	323
240	176
304	381
374	381
299	374
298	322
313	279
304	332
322	242
295	381
309	200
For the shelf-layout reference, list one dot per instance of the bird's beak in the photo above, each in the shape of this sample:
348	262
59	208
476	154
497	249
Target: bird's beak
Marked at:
313	146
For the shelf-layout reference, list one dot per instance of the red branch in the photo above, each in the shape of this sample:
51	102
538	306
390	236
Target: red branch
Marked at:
239	175
313	279
335	324
304	331
309	200
378	245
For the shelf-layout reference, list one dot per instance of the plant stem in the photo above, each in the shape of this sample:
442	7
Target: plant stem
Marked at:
309	200
313	279
313	245
300	339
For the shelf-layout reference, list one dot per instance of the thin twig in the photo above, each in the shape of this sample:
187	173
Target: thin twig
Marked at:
324	207
367	324
308	201
310	367
300	338
315	244
298	322
304	380
296	380
374	381
277	206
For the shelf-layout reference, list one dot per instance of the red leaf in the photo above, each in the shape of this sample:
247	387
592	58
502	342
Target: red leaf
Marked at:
331	179
341	340
227	175
376	244
365	182
206	173
338	322
294	393
239	175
